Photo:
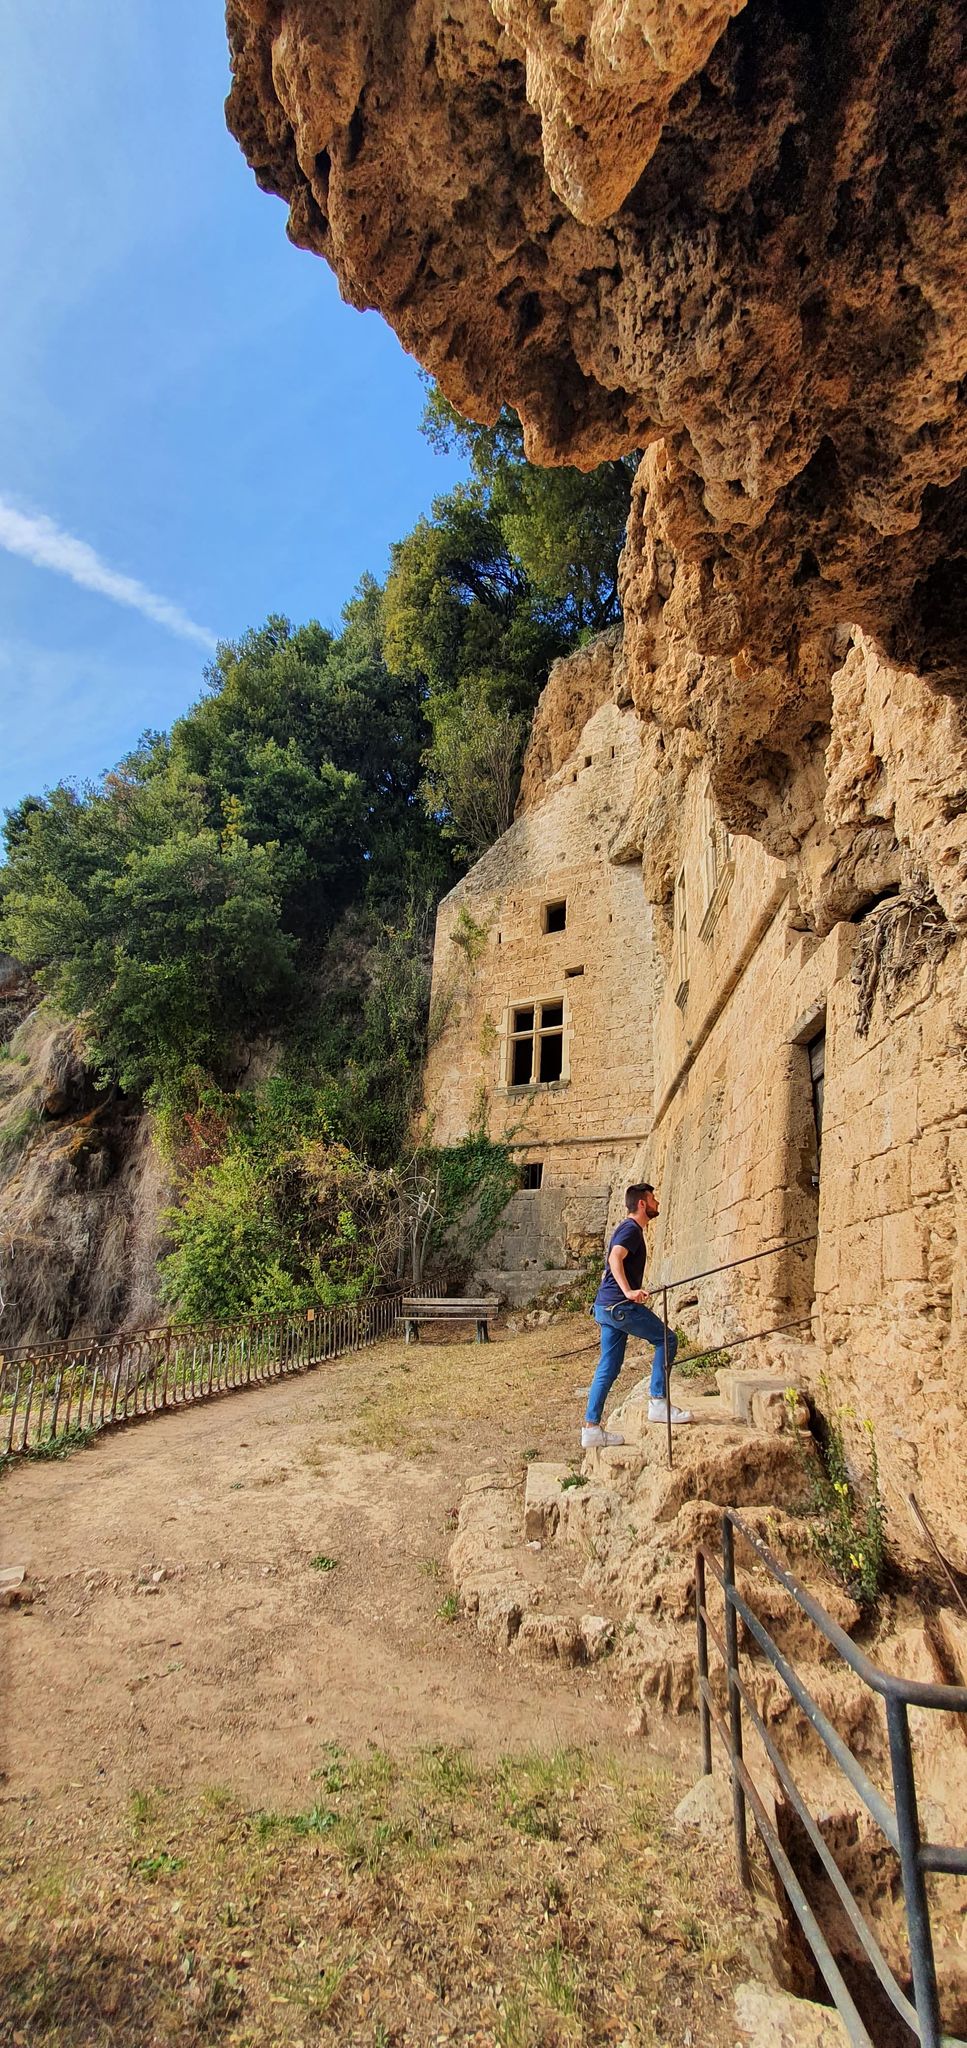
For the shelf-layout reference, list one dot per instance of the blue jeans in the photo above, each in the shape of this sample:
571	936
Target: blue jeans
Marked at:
628	1319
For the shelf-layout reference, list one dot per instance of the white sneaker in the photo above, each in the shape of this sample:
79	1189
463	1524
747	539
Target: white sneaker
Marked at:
658	1412
594	1438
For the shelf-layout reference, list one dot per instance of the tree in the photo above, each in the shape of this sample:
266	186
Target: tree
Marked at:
473	770
564	527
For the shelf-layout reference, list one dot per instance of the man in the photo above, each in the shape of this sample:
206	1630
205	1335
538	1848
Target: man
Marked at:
619	1308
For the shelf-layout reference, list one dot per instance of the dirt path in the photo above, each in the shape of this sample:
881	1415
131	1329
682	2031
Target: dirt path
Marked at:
241	1659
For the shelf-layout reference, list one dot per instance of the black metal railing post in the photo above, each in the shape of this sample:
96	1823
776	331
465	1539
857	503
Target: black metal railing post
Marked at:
701	1626
911	1869
735	1704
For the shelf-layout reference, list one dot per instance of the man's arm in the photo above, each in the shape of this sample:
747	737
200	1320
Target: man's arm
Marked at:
616	1264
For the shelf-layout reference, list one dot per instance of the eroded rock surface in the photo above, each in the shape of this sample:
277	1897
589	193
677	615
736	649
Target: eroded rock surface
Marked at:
734	236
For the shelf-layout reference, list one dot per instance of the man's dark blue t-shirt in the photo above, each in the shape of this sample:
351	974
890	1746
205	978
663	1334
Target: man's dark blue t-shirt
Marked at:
630	1234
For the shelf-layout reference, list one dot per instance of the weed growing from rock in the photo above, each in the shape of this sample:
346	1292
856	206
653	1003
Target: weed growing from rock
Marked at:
850	1535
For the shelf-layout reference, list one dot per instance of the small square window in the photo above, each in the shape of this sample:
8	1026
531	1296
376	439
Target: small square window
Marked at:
554	916
532	1174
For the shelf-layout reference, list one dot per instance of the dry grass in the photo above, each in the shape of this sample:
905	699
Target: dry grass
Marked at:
540	1903
452	1384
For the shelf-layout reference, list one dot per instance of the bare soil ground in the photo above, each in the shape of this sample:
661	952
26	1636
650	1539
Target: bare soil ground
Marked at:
259	1786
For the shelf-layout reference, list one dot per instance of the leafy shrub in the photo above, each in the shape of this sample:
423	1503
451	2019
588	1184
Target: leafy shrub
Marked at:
850	1536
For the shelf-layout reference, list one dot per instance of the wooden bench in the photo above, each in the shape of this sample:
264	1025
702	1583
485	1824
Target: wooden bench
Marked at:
419	1309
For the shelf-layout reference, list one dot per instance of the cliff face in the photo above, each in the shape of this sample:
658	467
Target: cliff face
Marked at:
734	235
82	1189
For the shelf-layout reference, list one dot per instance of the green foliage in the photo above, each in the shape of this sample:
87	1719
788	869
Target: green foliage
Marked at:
510	571
283	1217
851	1533
161	1864
693	1365
322	1563
474	769
565	527
174	904
475	1181
77	1438
267	872
15	1132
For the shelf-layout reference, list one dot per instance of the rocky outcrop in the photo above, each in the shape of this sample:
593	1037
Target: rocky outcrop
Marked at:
733	235
82	1191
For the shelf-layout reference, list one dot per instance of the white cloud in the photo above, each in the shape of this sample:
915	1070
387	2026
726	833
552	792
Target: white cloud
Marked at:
39	540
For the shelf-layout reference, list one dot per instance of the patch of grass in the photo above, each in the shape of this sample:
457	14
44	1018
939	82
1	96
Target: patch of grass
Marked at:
531	1787
506	1893
506	1377
449	1608
317	1820
61	1445
430	1567
554	1980
574	1479
161	1864
318	1994
517	2025
693	1365
529	1456
322	1563
14	1135
448	1771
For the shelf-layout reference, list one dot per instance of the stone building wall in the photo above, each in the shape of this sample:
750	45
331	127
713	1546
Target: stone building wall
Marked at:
494	959
720	981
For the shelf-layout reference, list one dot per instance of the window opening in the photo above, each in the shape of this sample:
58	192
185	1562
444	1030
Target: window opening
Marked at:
716	850
554	916
816	1052
681	939
533	1174
588	758
536	1044
570	973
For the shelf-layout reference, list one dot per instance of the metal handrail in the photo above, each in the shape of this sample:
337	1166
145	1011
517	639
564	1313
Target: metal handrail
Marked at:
689	1280
899	1824
789	1244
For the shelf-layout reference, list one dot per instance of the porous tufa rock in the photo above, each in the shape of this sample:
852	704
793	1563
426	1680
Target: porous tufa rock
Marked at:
734	236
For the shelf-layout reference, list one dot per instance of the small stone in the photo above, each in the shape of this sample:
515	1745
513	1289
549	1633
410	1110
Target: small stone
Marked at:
707	1808
597	1636
772	2019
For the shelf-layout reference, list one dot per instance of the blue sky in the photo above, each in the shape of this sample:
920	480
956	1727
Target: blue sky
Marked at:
186	406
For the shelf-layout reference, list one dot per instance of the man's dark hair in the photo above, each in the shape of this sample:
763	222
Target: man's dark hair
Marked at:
636	1193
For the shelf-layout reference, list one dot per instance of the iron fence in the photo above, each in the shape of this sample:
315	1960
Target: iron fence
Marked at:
899	1823
51	1395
